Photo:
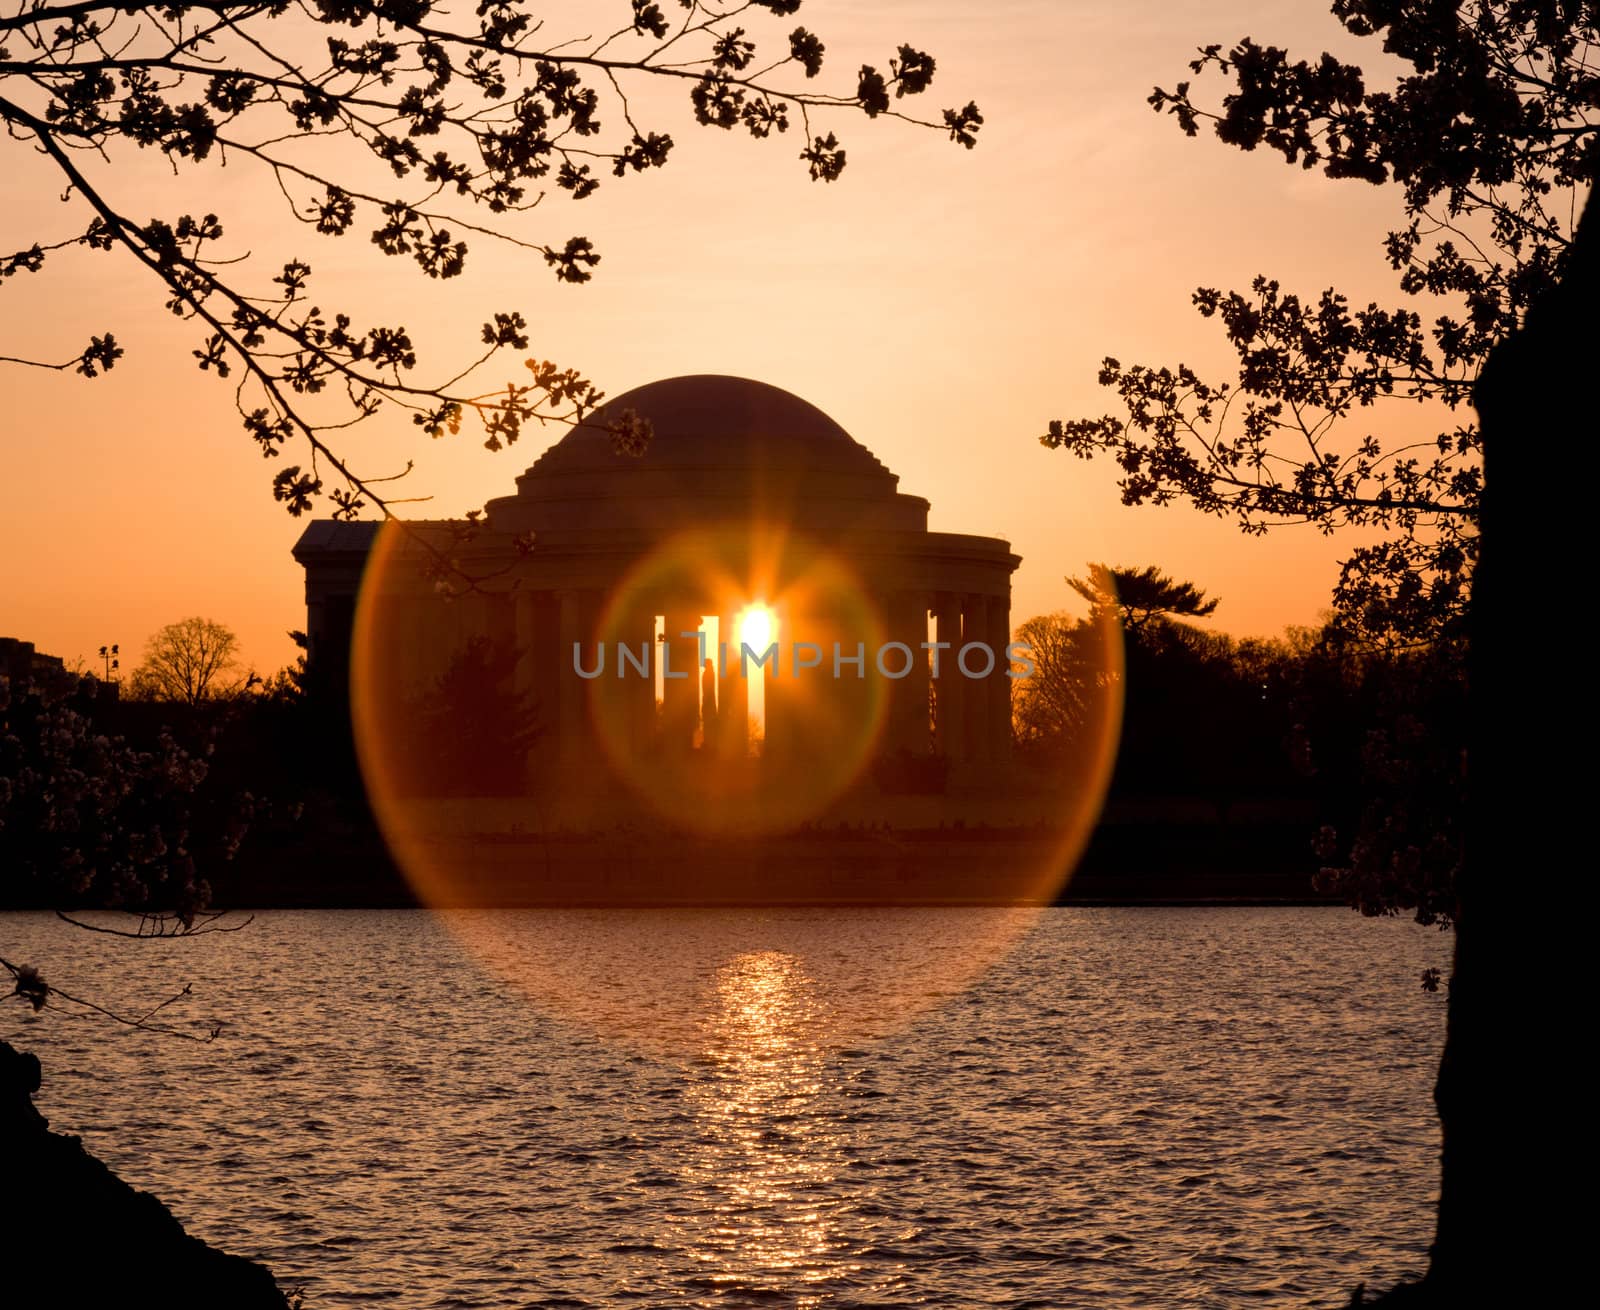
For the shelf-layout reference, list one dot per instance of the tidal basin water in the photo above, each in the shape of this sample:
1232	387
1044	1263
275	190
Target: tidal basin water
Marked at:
1075	1107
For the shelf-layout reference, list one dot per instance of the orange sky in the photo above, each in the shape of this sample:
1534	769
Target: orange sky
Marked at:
941	304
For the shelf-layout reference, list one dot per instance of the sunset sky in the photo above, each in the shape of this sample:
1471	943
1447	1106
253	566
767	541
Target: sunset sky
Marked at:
942	305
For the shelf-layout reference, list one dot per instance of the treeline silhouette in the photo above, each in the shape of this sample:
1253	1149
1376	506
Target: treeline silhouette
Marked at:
1355	754
1368	743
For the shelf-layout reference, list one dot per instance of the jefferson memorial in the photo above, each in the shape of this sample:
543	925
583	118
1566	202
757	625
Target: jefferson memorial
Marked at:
626	592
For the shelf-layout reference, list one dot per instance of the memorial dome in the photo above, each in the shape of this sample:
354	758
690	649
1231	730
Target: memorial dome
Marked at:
720	446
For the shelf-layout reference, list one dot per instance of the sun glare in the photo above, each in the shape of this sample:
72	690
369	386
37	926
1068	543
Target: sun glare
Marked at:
756	626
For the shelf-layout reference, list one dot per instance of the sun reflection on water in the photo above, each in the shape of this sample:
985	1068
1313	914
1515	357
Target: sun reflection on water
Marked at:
770	1181
762	1149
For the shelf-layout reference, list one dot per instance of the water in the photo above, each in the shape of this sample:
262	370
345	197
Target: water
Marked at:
1087	1107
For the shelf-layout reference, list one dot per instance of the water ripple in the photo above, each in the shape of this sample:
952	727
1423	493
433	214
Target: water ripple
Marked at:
1133	1108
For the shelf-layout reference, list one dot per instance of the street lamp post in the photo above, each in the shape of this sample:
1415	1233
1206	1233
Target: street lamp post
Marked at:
109	655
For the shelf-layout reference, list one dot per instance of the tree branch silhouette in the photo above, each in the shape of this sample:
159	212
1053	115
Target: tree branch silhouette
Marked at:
473	114
1493	137
29	985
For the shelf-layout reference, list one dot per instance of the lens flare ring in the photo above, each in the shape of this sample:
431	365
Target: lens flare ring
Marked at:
808	824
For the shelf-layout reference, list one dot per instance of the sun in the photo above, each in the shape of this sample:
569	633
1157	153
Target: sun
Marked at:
756	626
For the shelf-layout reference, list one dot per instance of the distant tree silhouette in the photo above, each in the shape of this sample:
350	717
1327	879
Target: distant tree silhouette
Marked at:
476	113
191	661
1178	683
1402	846
291	682
1137	596
474	729
90	819
1374	738
1052	706
1491	135
1202	714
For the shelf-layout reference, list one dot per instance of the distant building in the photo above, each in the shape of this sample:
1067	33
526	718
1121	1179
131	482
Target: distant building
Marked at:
767	482
20	662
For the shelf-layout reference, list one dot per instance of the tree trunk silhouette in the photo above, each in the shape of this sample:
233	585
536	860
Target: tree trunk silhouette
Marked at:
1505	1121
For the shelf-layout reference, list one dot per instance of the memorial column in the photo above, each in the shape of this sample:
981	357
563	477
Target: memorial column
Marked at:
949	730
778	689
733	691
908	696
578	609
681	676
1000	681
975	674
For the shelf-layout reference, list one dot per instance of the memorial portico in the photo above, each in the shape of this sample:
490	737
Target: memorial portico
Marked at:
745	496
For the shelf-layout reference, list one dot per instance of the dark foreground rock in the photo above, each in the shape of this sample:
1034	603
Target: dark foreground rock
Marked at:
75	1235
